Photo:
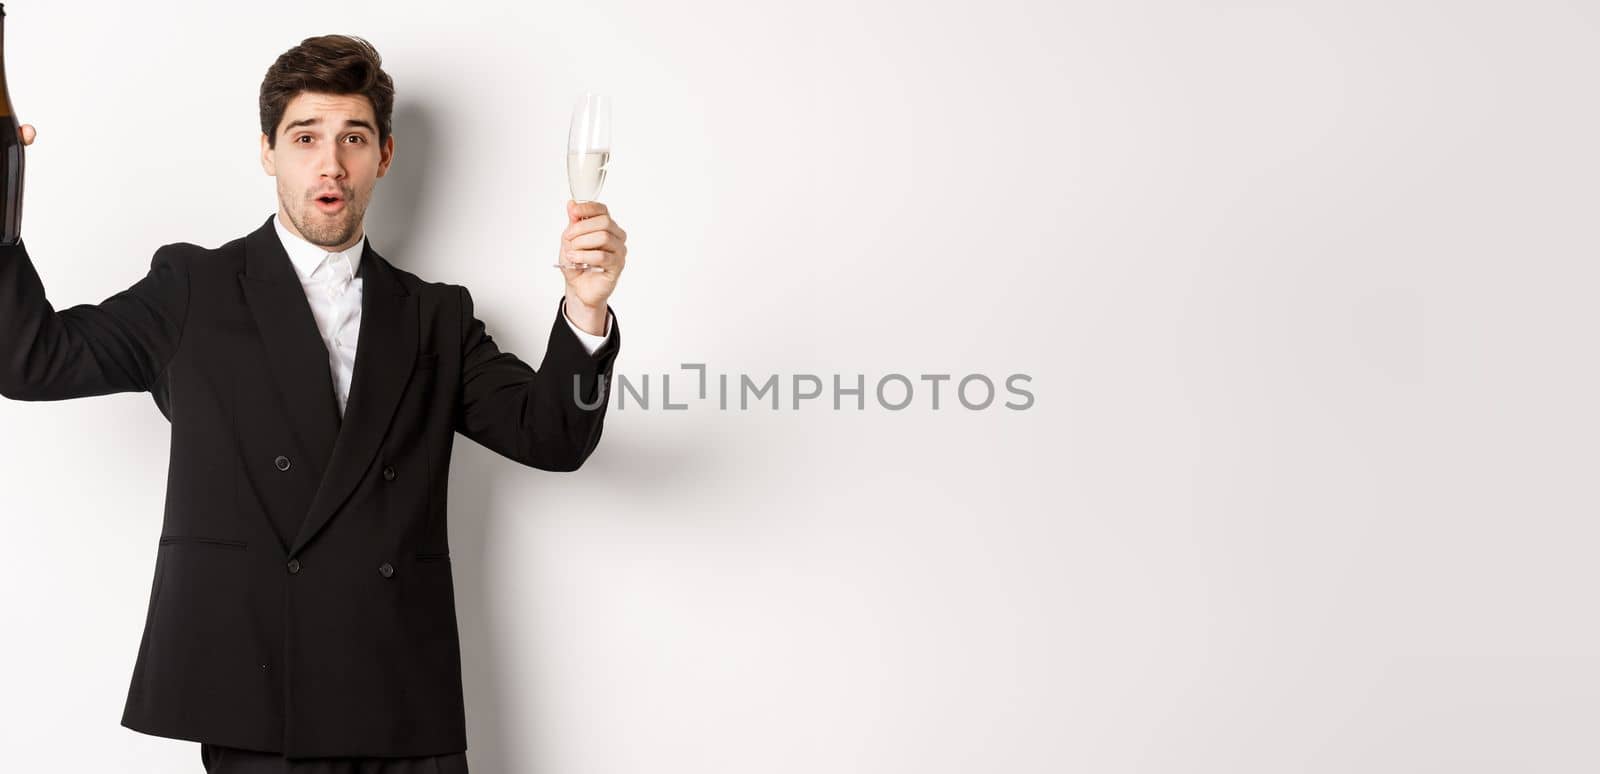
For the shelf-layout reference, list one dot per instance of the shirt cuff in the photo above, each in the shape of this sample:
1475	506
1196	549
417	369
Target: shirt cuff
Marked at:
590	341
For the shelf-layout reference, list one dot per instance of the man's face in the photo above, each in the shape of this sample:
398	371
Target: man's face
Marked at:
327	161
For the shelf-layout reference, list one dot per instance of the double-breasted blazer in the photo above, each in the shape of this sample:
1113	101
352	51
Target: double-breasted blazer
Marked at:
302	600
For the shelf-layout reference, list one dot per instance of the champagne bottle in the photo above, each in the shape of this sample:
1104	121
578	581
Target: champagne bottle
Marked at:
10	155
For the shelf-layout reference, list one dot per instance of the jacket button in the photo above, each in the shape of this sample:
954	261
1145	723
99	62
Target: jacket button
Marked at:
386	570
282	462
294	566
388	472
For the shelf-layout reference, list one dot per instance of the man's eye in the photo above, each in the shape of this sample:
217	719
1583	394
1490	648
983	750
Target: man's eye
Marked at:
302	137
356	137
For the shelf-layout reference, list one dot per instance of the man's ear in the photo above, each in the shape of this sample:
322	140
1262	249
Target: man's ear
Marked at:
386	156
268	162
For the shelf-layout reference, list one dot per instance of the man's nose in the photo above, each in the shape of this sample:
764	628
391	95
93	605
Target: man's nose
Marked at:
328	163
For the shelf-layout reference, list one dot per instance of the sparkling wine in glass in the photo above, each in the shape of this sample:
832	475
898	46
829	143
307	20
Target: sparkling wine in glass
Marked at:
588	152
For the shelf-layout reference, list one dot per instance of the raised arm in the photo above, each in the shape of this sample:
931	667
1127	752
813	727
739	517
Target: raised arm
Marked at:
122	344
538	418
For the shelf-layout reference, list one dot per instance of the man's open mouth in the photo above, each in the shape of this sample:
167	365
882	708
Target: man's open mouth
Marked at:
330	203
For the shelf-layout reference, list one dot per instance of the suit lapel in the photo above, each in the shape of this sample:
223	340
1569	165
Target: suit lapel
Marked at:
386	349
295	353
386	352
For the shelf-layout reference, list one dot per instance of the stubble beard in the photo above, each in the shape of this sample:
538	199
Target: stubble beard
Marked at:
323	230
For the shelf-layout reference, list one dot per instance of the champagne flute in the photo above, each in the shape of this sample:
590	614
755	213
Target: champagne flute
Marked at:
588	152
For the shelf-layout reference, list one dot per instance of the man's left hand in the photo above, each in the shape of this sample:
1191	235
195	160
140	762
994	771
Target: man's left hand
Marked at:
594	238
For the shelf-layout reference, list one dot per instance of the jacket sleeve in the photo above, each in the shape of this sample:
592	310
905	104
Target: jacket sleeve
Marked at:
122	344
548	419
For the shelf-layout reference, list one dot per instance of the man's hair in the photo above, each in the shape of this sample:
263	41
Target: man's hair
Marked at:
327	64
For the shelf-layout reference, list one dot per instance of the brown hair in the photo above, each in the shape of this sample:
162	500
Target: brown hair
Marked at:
328	64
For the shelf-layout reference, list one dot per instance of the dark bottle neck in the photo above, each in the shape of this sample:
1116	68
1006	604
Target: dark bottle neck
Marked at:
5	92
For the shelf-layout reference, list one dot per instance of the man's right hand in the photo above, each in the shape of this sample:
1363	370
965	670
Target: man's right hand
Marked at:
28	133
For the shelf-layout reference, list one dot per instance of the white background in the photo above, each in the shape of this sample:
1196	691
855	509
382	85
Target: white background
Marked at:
1305	291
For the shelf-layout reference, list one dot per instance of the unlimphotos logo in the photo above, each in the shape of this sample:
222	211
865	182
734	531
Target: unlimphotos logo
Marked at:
892	391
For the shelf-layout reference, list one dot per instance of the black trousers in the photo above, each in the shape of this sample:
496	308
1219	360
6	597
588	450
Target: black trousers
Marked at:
232	760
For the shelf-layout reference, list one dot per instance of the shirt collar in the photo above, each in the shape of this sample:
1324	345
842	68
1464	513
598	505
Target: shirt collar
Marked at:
307	257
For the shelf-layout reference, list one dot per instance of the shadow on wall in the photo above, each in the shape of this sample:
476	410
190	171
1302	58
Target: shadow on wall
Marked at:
401	198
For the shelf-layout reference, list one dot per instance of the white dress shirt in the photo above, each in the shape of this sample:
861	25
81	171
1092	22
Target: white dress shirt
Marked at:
332	282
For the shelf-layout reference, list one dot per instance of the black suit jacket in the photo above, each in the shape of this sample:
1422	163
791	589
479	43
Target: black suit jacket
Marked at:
302	601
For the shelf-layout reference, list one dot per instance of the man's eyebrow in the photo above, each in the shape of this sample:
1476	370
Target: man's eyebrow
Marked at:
314	121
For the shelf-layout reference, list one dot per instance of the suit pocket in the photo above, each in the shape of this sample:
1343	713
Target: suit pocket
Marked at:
434	557
203	634
204	541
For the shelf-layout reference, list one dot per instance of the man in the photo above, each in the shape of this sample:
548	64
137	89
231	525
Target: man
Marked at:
302	613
